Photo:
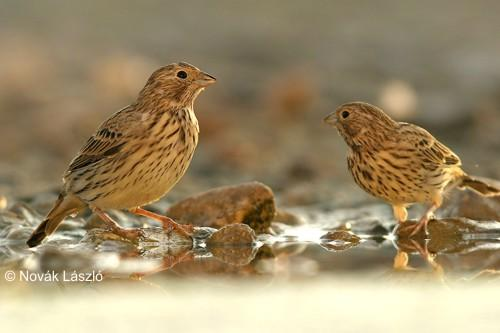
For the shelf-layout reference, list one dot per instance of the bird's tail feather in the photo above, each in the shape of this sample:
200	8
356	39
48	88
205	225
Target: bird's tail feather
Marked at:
64	206
479	186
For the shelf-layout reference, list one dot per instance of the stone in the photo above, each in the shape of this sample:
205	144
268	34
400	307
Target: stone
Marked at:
472	205
233	244
339	240
232	235
251	203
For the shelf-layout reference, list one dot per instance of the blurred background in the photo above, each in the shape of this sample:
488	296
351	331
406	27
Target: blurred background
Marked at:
65	66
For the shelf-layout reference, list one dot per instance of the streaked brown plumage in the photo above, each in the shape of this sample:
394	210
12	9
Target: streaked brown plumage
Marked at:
137	155
399	162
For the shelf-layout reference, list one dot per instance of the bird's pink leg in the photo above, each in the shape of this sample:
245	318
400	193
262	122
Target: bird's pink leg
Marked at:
115	227
424	220
168	223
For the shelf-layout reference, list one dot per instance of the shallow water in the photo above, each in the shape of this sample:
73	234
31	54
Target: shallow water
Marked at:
323	269
349	241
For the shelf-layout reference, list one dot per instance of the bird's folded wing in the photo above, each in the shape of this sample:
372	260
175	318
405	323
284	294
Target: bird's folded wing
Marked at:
106	142
433	150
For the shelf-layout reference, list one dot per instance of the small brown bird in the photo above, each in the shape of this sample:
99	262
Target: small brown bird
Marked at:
137	155
399	162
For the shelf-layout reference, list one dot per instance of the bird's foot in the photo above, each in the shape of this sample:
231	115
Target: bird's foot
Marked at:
168	224
130	234
412	229
422	223
424	220
415	229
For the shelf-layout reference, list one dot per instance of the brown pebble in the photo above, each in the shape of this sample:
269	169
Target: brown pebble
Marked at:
340	235
233	244
232	235
251	203
339	240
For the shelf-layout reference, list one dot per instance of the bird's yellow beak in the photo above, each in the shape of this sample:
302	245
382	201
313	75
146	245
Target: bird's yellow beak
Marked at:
205	79
331	119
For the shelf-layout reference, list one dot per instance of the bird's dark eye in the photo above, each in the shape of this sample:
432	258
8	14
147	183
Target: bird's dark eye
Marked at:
182	74
345	114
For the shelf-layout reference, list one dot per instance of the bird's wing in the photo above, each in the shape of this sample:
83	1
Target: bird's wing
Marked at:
107	141
432	150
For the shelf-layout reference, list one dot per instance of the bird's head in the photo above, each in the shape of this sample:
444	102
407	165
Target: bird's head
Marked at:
178	83
360	123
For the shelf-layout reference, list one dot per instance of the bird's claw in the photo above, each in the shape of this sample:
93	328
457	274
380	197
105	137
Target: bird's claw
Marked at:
412	229
183	229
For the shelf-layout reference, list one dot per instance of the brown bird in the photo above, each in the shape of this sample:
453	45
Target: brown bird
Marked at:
137	155
400	162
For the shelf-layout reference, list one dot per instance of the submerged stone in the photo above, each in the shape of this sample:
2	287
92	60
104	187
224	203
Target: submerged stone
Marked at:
232	235
339	240
451	229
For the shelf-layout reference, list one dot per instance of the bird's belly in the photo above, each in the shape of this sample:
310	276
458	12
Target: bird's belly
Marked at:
147	182
397	184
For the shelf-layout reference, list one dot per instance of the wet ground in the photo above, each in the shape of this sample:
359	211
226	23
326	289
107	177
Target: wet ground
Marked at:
311	267
296	242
